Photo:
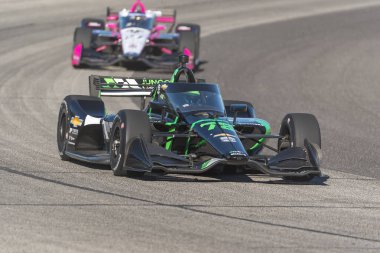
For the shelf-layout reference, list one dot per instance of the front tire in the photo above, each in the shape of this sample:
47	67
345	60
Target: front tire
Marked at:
82	41
127	126
117	149
63	131
296	127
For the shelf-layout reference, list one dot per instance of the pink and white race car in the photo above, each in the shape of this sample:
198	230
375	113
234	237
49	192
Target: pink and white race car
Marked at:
135	38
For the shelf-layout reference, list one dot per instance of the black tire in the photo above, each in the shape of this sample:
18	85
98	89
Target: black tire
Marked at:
100	24
83	36
296	127
249	114
62	131
190	39
128	125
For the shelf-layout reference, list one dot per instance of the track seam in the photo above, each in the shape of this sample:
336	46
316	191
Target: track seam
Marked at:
9	170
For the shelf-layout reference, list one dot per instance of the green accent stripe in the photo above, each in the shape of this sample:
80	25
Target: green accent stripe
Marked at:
267	131
169	140
204	164
203	121
174	74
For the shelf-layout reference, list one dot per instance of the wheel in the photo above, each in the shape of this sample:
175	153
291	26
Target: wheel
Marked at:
117	142
83	36
63	131
127	126
296	127
82	41
190	41
93	23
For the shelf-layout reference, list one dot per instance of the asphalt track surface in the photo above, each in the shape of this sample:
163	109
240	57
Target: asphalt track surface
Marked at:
284	56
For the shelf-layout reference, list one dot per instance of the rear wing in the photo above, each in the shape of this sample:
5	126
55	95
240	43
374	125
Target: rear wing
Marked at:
122	86
167	16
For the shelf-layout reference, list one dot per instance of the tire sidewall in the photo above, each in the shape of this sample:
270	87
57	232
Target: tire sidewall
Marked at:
62	144
117	163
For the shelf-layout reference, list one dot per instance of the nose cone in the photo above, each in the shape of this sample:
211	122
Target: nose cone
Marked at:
222	137
133	41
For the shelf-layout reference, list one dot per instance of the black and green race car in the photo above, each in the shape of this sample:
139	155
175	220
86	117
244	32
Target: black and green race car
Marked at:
186	127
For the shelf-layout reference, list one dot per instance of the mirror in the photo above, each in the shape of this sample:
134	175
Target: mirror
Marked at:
158	107
236	108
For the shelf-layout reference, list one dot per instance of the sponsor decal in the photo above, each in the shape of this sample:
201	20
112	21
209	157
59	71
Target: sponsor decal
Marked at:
184	28
223	135
91	120
128	83
164	87
227	139
73	131
154	81
120	83
76	121
93	24
237	153
223	125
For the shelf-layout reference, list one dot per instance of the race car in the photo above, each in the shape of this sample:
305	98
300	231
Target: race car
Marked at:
185	127
135	38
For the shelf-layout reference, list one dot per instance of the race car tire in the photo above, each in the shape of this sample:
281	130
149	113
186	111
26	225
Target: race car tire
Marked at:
82	39
249	114
190	39
93	23
62	131
296	127
127	126
83	36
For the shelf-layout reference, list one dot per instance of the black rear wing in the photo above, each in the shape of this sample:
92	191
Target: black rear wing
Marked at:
122	86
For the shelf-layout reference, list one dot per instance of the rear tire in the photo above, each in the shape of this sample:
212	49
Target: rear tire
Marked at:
63	131
190	39
127	125
296	127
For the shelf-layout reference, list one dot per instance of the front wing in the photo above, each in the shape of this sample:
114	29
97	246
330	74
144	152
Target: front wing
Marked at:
293	162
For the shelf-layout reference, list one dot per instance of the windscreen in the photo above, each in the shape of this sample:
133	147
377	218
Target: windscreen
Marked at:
136	20
195	98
